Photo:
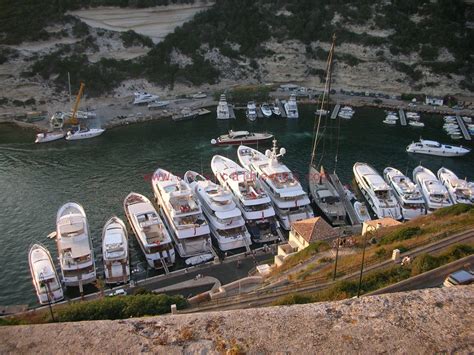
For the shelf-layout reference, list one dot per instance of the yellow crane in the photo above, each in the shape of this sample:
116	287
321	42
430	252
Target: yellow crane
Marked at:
73	120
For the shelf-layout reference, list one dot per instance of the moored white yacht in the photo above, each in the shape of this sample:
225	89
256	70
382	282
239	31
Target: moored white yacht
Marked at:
376	191
266	110
407	193
150	232
223	112
436	148
83	133
251	111
76	255
276	108
249	197
291	108
435	194
182	215
459	190
50	136
240	137
141	98
346	112
289	200
115	251
225	219
44	276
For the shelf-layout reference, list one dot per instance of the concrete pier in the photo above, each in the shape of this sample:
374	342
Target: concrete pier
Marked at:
347	204
463	127
403	119
335	111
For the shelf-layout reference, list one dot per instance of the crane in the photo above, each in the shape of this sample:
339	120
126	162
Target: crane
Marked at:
73	120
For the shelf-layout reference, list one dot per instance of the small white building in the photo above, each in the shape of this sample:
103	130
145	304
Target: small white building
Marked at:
302	234
373	225
436	101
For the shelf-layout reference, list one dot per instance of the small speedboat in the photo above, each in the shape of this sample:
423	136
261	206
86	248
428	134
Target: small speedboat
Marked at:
455	136
416	124
241	137
141	98
276	110
449	119
198	259
266	111
83	133
49	136
361	212
467	119
389	121
157	104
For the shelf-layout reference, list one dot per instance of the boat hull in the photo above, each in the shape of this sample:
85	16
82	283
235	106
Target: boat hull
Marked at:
48	137
84	135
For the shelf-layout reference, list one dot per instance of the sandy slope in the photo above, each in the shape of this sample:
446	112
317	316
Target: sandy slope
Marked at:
155	22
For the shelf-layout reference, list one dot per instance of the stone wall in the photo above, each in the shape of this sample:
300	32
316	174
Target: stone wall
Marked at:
426	321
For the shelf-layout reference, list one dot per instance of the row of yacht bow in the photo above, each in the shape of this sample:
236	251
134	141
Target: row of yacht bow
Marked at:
250	204
397	196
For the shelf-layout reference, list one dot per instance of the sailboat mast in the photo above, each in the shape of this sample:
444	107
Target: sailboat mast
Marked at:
327	86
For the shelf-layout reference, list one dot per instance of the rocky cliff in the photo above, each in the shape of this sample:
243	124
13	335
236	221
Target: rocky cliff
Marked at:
426	321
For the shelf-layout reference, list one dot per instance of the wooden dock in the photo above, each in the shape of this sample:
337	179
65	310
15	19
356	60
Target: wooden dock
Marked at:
231	111
342	194
281	107
403	119
335	111
463	127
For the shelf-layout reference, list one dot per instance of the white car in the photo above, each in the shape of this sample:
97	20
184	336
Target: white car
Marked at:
119	292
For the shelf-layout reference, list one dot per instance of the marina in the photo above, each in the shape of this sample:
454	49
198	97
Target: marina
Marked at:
117	164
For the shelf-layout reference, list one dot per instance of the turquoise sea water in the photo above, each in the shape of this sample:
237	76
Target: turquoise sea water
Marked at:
35	180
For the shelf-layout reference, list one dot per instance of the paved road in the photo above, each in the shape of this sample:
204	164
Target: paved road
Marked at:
433	278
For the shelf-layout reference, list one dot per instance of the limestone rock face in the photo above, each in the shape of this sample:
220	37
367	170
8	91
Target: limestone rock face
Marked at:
425	321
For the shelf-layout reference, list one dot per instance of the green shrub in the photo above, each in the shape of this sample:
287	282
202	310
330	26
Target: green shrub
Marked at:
400	234
293	299
120	307
454	210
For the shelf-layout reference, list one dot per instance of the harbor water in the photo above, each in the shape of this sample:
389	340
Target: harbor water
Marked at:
35	180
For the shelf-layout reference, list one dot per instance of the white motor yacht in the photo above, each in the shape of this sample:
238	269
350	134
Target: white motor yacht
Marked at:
276	109
290	201
115	251
241	137
407	193
416	123
76	255
49	136
83	133
157	104
43	273
266	110
435	194
436	148
412	115
376	191
141	98
459	190
182	215
150	232
223	112
291	107
251	111
225	219
346	112
250	198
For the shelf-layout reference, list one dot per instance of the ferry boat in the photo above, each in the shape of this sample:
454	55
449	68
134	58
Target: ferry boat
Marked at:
150	232
223	112
115	251
49	136
436	148
291	108
250	198
241	137
225	219
76	255
182	215
346	112
376	191
289	200
459	190
251	111
326	197
435	194
83	133
141	98
43	273
407	193
266	110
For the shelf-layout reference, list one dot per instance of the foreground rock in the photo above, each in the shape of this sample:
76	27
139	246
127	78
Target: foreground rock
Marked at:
426	321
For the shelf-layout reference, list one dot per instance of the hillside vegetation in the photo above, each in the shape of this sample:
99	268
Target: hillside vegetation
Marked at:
233	38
